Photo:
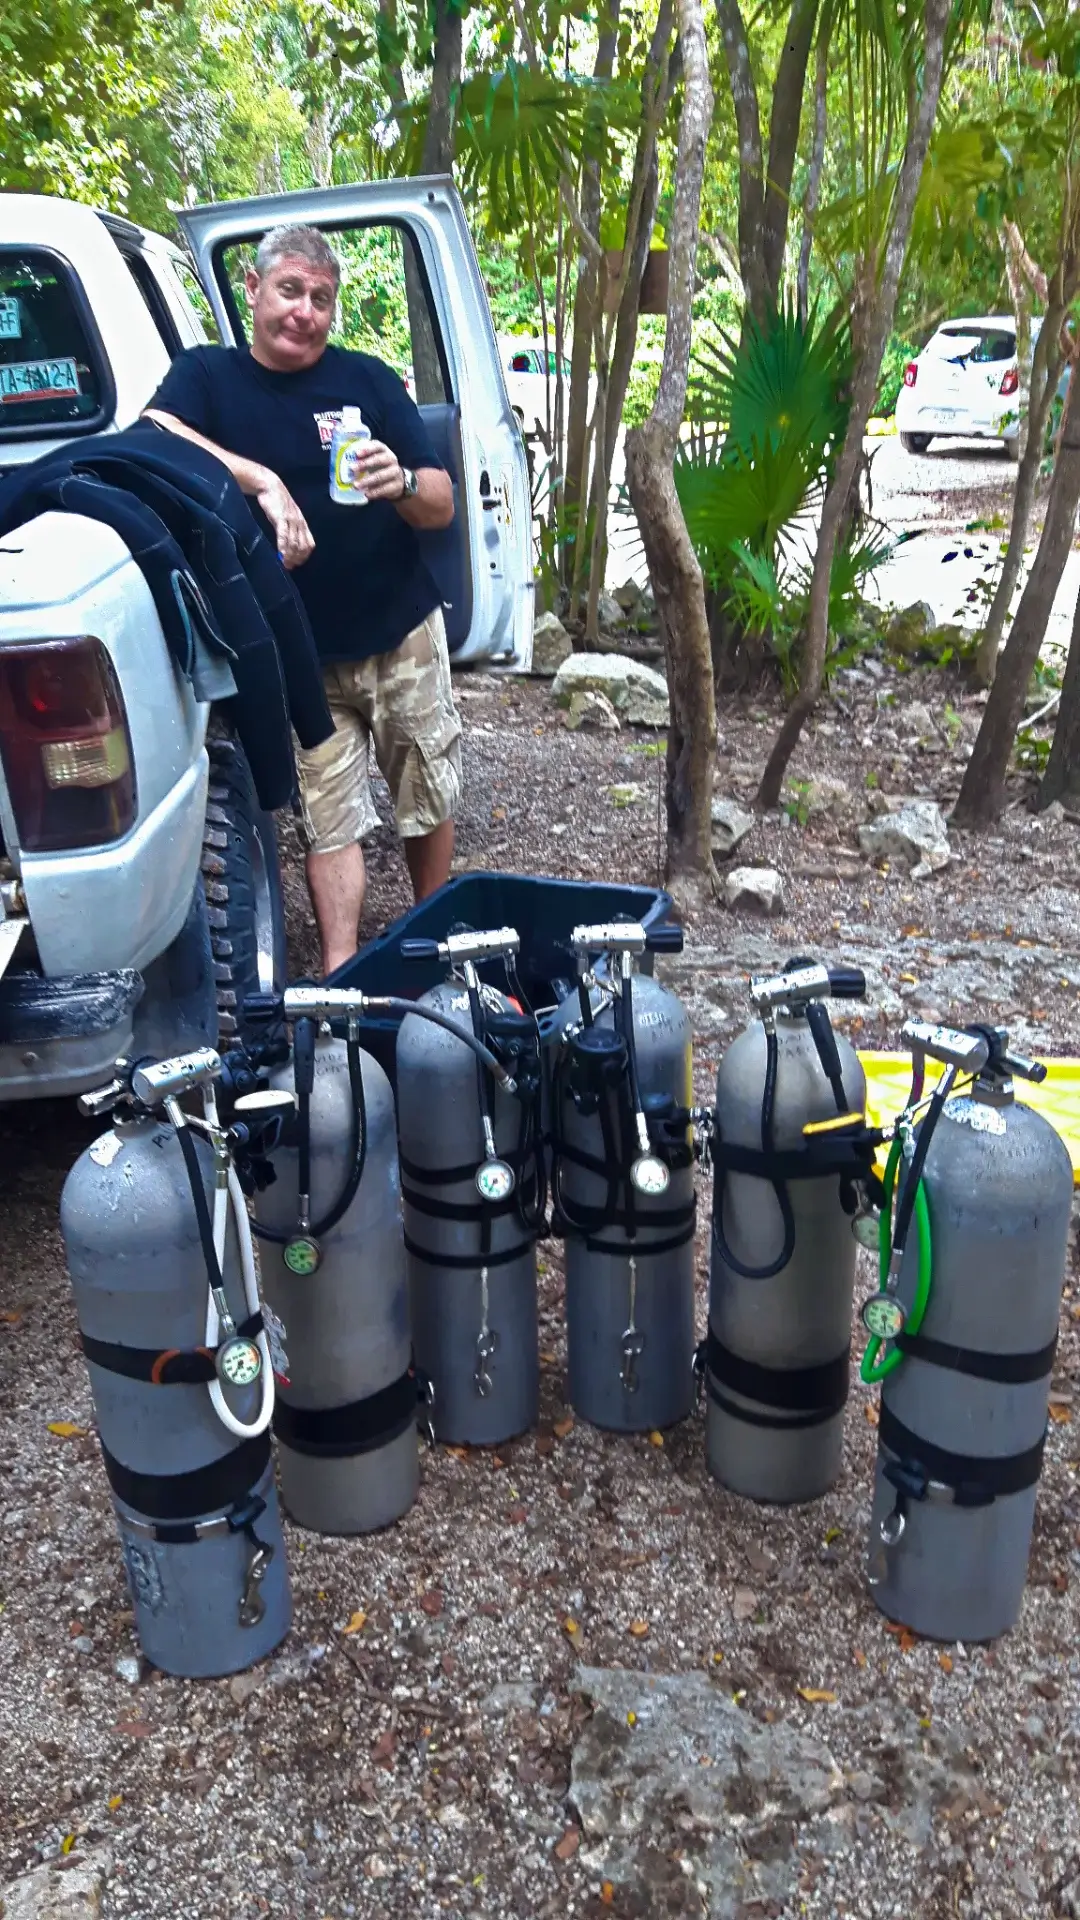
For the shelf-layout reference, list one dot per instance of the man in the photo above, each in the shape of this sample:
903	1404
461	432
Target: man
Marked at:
269	412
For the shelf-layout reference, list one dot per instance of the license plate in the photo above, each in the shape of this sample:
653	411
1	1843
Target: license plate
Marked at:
10	319
38	380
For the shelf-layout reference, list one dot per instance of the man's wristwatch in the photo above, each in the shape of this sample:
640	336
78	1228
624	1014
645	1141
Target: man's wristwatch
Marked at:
409	484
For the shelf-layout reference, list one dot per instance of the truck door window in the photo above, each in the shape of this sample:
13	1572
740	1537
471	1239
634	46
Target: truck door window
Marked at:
384	305
196	294
53	372
143	275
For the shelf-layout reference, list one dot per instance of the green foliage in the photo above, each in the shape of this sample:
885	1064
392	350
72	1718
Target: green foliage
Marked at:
895	358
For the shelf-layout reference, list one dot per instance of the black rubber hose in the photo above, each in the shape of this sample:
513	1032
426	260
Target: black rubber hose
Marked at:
393	1004
906	1206
357	1157
202	1211
768	1101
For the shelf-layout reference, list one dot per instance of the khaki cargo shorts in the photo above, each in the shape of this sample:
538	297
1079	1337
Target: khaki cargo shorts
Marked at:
403	704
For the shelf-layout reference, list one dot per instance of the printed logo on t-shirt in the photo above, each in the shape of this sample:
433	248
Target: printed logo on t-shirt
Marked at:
326	422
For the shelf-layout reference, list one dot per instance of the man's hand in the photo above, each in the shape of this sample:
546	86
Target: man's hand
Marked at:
378	471
291	530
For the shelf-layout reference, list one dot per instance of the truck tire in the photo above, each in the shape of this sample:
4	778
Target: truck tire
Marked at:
242	881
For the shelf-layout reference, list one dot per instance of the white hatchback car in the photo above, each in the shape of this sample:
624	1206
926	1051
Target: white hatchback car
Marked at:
531	389
965	382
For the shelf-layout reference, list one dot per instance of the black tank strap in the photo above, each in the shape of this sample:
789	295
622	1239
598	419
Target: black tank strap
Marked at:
466	1262
831	1153
162	1367
1005	1369
976	1479
641	1249
480	1210
818	1392
361	1426
170	1497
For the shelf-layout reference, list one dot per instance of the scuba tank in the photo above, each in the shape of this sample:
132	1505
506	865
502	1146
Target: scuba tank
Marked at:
473	1190
788	1147
333	1271
622	1178
159	1252
964	1333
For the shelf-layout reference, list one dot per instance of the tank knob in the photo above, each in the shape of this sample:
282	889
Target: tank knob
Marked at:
847	983
665	939
262	1007
419	950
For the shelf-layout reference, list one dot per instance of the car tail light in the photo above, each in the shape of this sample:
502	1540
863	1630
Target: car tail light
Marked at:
1011	381
911	373
65	745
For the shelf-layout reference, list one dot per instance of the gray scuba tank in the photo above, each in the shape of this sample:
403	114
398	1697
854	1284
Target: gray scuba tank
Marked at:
783	1257
963	1414
622	1174
472	1188
196	1506
337	1299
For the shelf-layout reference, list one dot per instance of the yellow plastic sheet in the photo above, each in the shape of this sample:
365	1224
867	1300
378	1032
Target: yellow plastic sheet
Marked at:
888	1081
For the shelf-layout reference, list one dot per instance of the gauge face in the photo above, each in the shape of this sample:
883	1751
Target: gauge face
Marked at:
494	1180
649	1175
883	1317
866	1230
302	1257
239	1363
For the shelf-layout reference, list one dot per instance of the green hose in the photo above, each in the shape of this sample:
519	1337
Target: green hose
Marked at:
872	1369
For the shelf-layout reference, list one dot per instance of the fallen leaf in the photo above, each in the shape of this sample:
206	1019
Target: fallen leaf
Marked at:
744	1603
544	1444
631	1718
459	1453
357	1623
383	1750
871	1414
859	1657
138	1729
67	1843
639	1628
12	1317
1061	1414
906	1641
833	1533
656	1439
67	1430
431	1602
607	1892
909	980
1060	1582
547	1359
563	1427
116	1801
717	1656
566	1848
497	1460
944	1661
571	1627
815	1693
517	1516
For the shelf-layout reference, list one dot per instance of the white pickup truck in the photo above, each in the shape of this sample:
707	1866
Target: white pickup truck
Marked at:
138	879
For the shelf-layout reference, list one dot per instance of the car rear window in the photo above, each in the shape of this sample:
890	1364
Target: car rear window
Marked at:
976	343
50	373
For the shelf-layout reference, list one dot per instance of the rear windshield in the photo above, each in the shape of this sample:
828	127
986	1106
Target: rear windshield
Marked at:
49	373
974	343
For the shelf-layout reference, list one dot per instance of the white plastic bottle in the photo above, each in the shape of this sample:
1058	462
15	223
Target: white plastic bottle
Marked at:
349	434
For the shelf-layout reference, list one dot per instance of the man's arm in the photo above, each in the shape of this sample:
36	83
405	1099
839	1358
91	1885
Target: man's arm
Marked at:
293	534
381	476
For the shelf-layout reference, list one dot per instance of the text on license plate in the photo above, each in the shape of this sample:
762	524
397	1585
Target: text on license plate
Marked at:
38	380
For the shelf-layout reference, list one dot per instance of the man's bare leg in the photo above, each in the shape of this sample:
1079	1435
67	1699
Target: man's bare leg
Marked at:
428	856
337	882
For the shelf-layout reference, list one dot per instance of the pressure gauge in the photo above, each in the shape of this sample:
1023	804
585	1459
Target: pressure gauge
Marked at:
649	1175
495	1181
302	1256
239	1362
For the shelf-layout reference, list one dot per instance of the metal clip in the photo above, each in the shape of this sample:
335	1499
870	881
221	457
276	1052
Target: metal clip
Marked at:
252	1605
486	1344
426	1398
632	1344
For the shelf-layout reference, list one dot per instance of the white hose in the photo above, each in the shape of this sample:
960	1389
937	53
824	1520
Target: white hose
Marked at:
226	1200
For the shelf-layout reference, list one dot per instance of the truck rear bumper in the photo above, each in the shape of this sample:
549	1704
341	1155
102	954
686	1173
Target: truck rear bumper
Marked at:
62	1036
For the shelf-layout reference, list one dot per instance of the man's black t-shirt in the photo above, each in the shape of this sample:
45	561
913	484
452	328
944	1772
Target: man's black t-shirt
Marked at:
365	586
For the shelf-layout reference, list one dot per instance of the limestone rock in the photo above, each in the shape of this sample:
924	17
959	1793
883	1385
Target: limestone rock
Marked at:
760	888
55	1892
915	834
593	711
907	630
609	613
730	825
551	645
631	687
628	596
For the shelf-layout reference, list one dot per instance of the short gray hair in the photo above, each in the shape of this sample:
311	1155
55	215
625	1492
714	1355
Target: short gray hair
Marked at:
297	243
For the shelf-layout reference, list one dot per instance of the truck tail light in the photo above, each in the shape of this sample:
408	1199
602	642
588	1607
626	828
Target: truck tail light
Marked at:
65	745
911	373
1011	381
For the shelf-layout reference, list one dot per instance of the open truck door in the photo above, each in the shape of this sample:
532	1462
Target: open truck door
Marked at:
411	293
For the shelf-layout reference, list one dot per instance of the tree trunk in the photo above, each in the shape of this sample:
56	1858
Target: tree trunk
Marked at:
438	154
813	178
983	788
864	391
751	165
1046	368
784	122
650	453
587	294
1061	781
626	325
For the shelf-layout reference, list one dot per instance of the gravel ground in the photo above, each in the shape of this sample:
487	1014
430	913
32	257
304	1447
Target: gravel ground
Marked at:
420	1764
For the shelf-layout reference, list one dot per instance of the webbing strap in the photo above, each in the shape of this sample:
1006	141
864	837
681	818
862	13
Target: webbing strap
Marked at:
360	1426
168	1367
1005	1369
641	1249
832	1153
820	1390
174	1496
466	1262
753	1417
446	1210
976	1479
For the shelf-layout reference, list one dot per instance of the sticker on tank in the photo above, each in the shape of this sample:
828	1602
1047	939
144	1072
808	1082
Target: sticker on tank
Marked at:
976	1115
144	1573
275	1340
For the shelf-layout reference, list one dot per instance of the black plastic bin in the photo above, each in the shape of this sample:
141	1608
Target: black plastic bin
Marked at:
543	912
